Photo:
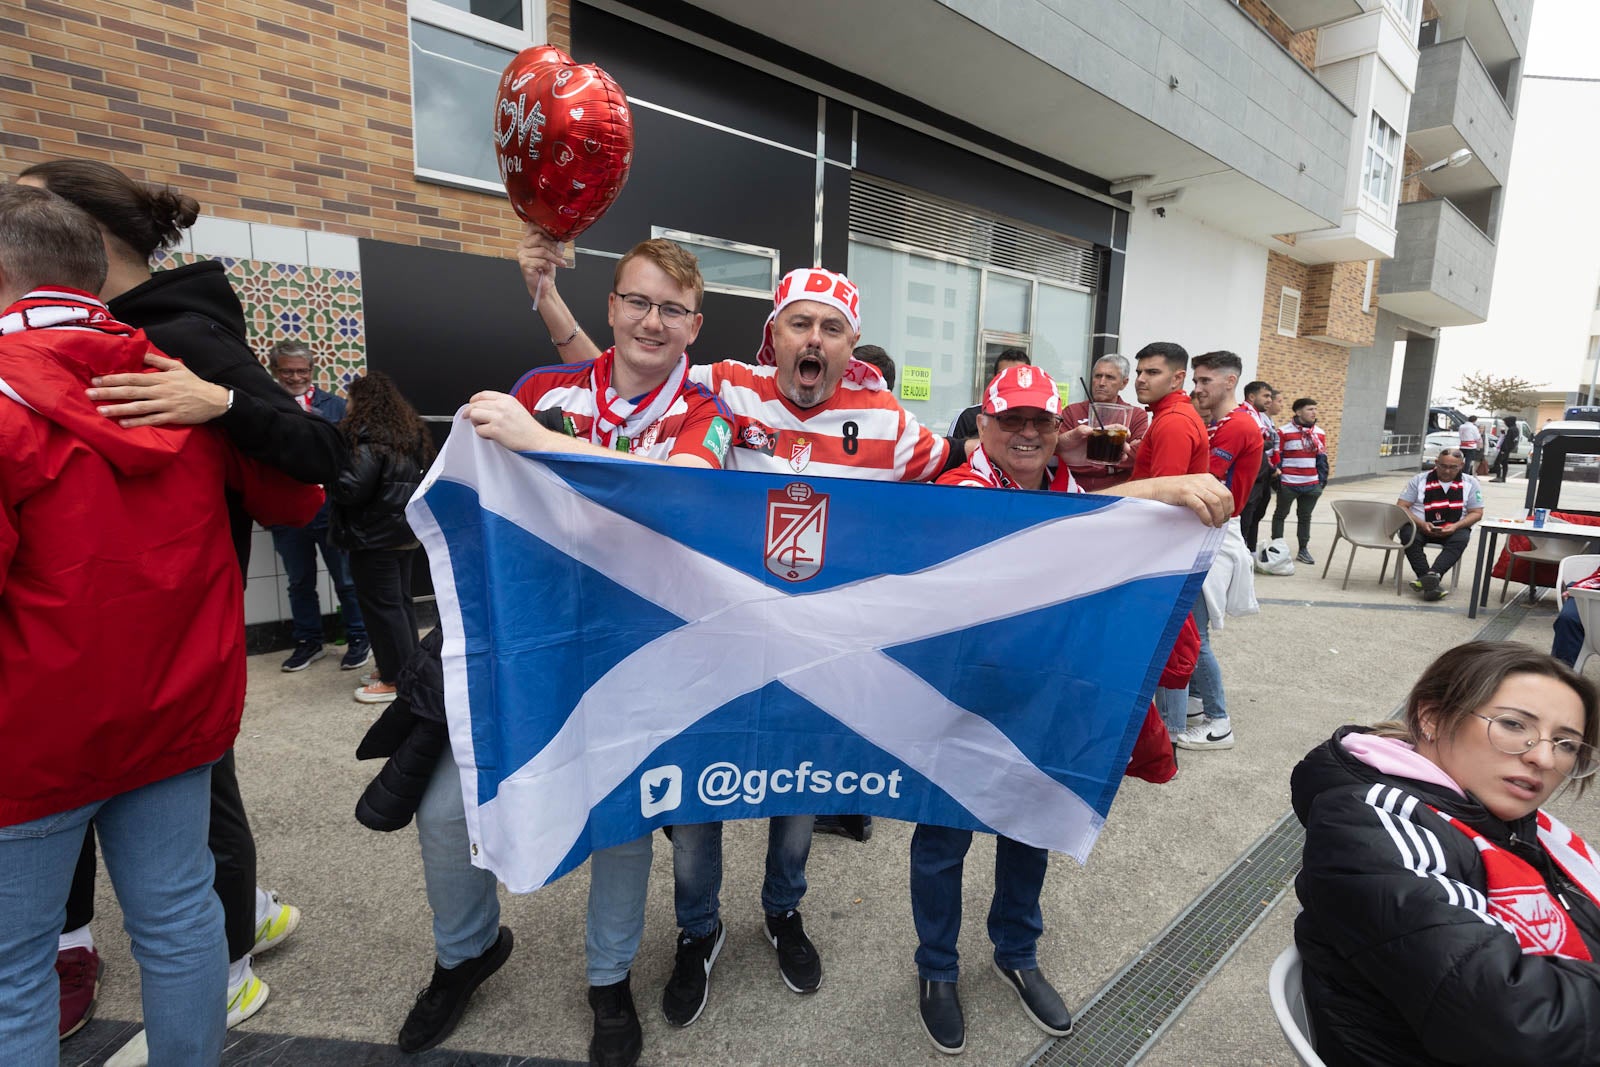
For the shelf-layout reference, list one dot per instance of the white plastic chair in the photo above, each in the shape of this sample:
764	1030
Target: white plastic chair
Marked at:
1289	1005
1544	550
1370	524
1571	570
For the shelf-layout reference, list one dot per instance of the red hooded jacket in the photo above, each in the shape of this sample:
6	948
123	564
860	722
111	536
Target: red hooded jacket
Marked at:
121	614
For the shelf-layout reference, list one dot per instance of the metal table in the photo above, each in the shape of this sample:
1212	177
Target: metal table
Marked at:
1489	531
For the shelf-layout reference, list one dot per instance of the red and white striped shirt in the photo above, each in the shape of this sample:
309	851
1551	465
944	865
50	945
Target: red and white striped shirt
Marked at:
1300	446
696	424
856	433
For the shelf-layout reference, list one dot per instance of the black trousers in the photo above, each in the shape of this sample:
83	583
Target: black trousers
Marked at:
383	585
1303	503
232	846
1256	506
1455	543
1502	463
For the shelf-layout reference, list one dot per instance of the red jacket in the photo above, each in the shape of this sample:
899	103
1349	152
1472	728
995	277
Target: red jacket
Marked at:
1176	443
121	614
1236	448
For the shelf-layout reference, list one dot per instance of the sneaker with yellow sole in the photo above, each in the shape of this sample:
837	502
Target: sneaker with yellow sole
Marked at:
275	920
244	1000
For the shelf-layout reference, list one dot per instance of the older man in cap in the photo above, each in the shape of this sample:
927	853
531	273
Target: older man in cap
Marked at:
1018	431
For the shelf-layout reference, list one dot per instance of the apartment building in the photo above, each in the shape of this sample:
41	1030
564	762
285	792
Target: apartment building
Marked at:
1073	177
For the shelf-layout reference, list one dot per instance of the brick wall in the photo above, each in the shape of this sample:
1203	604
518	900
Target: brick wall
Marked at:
1298	366
1330	308
558	24
1303	46
296	113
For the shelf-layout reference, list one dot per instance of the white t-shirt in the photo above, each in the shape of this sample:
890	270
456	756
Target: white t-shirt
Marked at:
1470	435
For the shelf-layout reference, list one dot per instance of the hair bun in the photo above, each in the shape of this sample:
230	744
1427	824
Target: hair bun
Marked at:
172	212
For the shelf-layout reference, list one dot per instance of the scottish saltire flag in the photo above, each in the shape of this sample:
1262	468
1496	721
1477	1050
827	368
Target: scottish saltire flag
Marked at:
629	645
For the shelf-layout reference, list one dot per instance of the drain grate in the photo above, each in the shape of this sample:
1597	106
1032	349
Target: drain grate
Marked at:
1127	1016
1131	1011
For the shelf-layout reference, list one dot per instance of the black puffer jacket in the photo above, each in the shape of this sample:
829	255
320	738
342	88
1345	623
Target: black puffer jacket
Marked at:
411	735
1399	967
369	499
192	314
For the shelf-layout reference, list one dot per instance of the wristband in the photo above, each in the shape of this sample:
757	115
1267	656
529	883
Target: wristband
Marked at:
576	330
229	406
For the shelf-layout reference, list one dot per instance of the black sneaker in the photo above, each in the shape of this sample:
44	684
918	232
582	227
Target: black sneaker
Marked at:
1430	587
940	1010
438	1008
1304	556
855	827
798	961
357	655
685	996
1039	999
618	1039
305	654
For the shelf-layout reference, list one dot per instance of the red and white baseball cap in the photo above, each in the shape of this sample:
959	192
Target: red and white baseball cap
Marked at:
1021	387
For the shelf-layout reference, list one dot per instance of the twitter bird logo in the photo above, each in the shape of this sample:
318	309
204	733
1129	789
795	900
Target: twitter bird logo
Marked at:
660	789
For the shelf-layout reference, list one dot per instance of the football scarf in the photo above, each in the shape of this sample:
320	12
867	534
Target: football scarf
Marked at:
61	308
1520	899
616	416
1444	502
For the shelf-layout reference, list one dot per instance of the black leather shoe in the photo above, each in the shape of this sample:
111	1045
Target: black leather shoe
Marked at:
618	1039
438	1008
940	1009
1039	999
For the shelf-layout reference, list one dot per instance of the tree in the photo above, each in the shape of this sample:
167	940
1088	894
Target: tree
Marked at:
1491	393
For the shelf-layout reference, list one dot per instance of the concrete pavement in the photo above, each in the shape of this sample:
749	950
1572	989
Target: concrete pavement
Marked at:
1316	657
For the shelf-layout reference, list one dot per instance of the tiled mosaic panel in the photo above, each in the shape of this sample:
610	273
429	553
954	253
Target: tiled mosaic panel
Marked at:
284	301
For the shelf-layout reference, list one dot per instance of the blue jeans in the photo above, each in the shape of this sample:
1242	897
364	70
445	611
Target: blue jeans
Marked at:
463	898
1206	684
298	547
938	856
154	842
697	870
618	879
1569	634
1173	704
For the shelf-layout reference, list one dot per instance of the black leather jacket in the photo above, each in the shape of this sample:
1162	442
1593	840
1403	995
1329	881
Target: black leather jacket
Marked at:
1402	962
369	499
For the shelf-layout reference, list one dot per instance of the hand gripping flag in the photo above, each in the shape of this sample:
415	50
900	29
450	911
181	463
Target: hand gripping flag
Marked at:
629	645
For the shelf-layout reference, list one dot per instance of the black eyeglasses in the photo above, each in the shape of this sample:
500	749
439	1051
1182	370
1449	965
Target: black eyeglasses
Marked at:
636	307
1516	737
1012	422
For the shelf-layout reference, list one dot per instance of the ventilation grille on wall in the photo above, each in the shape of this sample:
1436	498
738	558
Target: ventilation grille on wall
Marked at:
890	213
1289	312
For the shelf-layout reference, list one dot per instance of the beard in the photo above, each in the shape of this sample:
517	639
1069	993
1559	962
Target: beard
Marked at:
804	395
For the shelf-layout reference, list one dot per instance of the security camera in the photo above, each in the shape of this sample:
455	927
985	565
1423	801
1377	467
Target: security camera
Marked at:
1161	212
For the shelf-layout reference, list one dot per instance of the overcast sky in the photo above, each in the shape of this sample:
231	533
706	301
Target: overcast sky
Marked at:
1547	270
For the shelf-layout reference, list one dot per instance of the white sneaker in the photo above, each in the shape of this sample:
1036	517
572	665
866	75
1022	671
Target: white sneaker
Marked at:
244	1000
1207	733
246	997
275	920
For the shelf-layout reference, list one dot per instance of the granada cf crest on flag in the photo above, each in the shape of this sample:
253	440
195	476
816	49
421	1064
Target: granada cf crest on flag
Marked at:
797	531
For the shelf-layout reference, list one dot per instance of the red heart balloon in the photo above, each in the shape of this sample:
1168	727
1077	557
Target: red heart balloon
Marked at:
563	135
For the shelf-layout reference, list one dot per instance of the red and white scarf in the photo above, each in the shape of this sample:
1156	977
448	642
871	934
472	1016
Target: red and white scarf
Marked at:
987	473
56	309
616	416
60	308
1519	897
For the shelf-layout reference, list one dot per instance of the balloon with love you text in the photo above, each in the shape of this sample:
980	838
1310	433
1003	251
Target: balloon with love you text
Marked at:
563	135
